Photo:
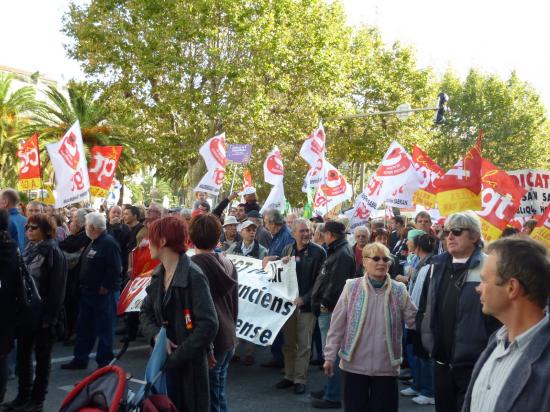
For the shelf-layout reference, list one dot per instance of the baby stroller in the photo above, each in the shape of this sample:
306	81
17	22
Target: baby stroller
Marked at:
106	390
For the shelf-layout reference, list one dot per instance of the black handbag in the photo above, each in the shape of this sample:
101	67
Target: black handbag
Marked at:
31	299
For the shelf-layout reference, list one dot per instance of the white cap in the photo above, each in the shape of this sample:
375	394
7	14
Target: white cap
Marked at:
248	191
230	220
246	224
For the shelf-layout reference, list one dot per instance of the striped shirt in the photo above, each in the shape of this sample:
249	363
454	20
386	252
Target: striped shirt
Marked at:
498	367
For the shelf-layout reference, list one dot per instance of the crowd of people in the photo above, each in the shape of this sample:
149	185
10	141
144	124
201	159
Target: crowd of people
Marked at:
462	324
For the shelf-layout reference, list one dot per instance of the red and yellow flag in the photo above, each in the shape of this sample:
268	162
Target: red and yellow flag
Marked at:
459	189
500	198
428	171
541	233
30	173
102	169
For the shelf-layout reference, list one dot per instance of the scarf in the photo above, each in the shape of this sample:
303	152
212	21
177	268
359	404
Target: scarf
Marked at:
34	256
357	292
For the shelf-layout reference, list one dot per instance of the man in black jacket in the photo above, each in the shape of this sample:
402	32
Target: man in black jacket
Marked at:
99	290
298	329
460	329
339	266
122	234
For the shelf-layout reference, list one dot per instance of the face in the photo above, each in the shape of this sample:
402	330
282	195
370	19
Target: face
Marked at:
289	220
203	209
382	239
361	238
410	245
232	211
34	234
328	237
423	223
240	212
493	297
273	228
3	202
250	198
48	210
201	196
374	268
128	217
526	230
33	209
248	234
460	243
152	213
302	234
230	231
393	224
154	251
115	214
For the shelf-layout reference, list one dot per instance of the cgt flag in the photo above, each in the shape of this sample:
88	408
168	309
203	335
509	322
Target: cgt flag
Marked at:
273	167
428	172
30	173
102	169
332	191
72	183
459	189
541	233
213	153
314	147
500	198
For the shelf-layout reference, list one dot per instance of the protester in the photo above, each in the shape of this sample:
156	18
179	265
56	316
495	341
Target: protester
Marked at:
397	223
263	236
460	329
298	329
380	235
72	247
122	234
318	234
9	199
186	215
230	235
366	331
248	245
290	218
251	202
99	281
275	223
205	231
361	235
422	367
218	210
130	216
423	221
240	212
339	266
10	285
199	198
36	332
179	299
529	226
34	208
512	373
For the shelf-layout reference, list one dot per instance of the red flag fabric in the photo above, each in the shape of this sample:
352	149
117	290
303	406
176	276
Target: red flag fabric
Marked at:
30	173
500	198
102	169
428	171
459	189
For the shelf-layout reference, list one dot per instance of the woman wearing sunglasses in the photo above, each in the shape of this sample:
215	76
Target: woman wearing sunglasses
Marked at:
366	332
45	262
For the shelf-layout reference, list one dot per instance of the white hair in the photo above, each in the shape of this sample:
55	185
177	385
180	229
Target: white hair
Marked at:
96	220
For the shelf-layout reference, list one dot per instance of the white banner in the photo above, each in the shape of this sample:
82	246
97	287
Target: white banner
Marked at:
333	190
273	167
276	199
313	147
72	183
265	297
213	153
537	183
211	182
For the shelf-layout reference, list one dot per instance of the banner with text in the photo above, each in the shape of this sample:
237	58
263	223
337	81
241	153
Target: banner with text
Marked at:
537	184
30	174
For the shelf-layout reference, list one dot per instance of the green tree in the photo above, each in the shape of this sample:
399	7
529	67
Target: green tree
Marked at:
15	108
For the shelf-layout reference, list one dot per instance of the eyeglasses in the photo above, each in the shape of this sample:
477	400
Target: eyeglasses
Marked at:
456	231
385	259
31	227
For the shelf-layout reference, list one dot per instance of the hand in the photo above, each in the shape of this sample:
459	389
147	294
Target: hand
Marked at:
402	279
170	346
286	259
103	291
328	368
233	196
267	259
211	360
115	221
299	301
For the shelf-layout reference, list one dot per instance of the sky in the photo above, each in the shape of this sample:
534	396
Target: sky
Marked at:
494	36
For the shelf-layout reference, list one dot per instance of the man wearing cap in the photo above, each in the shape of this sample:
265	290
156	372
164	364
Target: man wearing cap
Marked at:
460	329
298	329
248	245
229	235
262	234
251	202
338	267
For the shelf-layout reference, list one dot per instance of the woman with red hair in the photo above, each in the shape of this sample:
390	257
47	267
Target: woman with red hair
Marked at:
179	299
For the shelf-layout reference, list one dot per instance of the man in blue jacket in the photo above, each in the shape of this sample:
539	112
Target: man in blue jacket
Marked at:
512	373
99	280
460	329
9	199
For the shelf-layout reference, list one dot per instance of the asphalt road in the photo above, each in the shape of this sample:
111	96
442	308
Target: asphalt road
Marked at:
249	388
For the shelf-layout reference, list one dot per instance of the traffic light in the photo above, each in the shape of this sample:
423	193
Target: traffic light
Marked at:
442	100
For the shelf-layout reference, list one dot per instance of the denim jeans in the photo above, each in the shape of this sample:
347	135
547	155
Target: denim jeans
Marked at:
96	320
217	376
423	377
333	387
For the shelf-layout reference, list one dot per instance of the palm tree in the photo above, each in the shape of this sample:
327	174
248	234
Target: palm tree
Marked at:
15	109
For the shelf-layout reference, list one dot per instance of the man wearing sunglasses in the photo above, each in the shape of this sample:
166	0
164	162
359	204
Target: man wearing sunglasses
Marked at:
459	327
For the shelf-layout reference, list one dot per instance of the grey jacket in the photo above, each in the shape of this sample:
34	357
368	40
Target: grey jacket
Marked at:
527	386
